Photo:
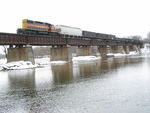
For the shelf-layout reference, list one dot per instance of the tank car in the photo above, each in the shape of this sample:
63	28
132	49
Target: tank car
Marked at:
67	30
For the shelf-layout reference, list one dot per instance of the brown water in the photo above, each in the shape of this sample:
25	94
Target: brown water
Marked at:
113	85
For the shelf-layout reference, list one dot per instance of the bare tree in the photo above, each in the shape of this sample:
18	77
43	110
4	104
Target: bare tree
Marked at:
135	37
147	39
5	50
148	36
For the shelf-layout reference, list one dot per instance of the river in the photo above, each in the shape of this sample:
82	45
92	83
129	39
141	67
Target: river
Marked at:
112	85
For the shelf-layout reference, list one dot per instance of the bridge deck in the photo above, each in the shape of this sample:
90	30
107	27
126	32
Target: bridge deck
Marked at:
15	39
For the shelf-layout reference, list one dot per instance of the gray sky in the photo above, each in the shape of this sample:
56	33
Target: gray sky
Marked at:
118	17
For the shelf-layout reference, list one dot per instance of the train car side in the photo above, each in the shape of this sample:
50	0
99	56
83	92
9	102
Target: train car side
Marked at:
89	34
67	30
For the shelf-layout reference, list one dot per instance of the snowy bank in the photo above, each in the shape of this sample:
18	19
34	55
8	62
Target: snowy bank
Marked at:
85	58
58	62
46	61
133	53
116	55
17	65
146	48
121	55
42	61
3	61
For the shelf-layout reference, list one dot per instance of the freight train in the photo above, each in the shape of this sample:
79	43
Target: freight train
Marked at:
42	28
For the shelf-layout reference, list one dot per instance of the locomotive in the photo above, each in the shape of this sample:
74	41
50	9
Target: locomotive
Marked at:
36	28
42	28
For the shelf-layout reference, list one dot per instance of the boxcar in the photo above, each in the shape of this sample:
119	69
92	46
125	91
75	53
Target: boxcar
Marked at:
89	34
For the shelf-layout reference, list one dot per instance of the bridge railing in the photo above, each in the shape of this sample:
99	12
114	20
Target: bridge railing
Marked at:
12	39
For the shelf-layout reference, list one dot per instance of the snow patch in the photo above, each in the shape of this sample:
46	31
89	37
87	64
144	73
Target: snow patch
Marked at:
85	58
146	48
133	53
46	61
110	55
58	62
17	65
121	55
3	61
42	61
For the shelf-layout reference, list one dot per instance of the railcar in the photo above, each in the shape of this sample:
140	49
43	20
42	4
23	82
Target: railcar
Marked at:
104	36
36	28
67	30
89	34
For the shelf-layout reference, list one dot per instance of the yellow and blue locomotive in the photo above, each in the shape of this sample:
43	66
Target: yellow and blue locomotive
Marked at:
36	27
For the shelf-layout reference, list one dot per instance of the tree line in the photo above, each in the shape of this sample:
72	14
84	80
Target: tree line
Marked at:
138	37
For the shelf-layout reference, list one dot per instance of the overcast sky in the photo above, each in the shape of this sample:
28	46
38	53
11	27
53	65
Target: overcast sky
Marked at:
118	17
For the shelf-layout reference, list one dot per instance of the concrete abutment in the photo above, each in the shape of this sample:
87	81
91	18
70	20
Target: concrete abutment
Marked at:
60	54
118	49
104	50
20	53
126	49
87	51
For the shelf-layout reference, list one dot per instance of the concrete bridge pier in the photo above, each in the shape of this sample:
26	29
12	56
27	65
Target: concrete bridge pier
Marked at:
83	51
135	48
104	50
118	49
139	48
95	51
20	53
87	51
60	53
126	49
131	48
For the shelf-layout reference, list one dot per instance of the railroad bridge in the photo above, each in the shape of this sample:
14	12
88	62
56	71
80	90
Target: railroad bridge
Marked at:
63	46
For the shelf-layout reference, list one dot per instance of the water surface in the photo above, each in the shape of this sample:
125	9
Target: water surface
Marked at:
113	85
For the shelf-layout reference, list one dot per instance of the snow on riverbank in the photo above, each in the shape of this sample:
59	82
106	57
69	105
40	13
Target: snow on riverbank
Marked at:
46	61
27	64
85	58
58	62
17	65
146	48
3	61
42	61
122	55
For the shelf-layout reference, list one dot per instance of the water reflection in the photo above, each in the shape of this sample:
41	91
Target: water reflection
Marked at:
21	79
3	82
62	73
43	78
67	73
85	70
22	83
